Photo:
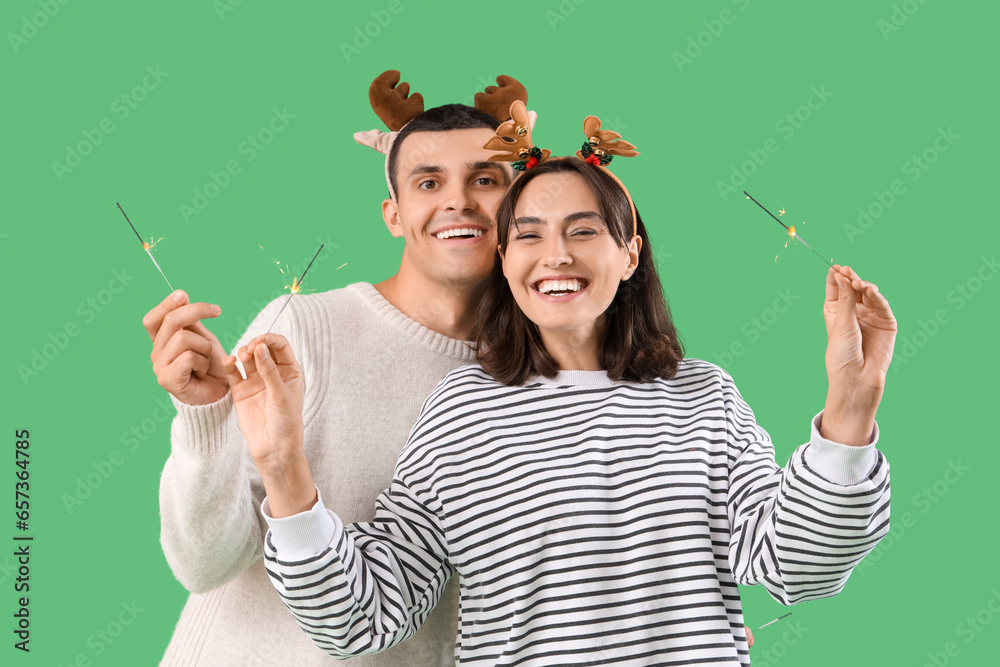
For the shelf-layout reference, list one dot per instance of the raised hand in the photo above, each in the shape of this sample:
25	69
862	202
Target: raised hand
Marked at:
861	332
187	357
269	408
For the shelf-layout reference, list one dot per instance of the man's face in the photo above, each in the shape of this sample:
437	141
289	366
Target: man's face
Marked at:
446	201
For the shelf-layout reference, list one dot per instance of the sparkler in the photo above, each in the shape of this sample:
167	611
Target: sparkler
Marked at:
774	621
791	230
147	247
295	287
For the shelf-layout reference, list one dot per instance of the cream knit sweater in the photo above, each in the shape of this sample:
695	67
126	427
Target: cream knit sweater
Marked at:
367	369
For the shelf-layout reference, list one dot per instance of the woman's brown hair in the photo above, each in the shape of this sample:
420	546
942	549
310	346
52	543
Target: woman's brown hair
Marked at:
641	342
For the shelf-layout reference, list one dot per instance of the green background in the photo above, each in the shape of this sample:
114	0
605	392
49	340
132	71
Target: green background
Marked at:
890	88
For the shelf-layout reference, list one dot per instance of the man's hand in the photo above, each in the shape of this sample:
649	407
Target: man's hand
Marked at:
861	332
269	408
187	357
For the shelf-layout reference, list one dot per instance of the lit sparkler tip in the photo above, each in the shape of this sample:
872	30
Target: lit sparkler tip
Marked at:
791	230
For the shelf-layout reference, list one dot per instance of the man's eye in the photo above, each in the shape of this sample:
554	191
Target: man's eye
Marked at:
486	180
423	185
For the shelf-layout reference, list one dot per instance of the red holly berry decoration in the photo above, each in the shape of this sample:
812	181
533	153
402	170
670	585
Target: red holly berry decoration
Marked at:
594	160
532	161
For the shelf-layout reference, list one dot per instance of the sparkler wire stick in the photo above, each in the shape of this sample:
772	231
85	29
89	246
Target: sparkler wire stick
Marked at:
791	232
774	621
296	285
145	246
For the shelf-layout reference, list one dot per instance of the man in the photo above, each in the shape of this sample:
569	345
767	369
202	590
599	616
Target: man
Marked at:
370	354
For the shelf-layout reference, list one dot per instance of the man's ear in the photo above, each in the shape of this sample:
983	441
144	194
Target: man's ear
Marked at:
390	214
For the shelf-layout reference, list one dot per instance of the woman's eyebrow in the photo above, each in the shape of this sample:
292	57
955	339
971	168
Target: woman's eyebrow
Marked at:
583	215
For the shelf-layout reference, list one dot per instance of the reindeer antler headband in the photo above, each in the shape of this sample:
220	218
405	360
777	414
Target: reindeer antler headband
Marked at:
396	107
513	137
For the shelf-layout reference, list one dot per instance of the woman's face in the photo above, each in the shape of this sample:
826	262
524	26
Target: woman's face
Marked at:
562	263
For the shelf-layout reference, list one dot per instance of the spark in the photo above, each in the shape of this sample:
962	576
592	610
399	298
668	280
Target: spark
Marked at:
147	246
791	230
781	212
295	287
774	621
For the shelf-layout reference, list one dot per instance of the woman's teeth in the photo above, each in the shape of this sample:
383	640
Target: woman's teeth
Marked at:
459	232
561	286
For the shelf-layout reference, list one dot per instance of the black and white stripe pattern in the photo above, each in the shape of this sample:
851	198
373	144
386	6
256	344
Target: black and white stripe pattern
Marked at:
591	523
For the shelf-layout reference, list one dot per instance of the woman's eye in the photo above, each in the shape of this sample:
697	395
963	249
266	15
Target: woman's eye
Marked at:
526	236
584	232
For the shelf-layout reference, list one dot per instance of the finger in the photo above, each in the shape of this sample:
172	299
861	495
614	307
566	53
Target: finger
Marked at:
231	370
182	317
154	318
832	288
749	636
247	359
846	304
187	364
181	342
280	349
269	372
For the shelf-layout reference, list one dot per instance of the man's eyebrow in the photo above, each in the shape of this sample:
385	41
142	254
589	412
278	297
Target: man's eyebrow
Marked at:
425	169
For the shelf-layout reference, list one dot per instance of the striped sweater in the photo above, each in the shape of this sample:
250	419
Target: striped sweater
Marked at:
591	522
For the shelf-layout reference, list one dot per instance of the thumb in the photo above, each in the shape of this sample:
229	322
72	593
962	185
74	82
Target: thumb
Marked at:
847	301
269	373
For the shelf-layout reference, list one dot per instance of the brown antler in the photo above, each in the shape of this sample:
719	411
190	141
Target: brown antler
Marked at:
513	137
496	100
608	141
390	101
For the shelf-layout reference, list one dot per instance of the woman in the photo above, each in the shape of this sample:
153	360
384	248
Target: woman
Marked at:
599	496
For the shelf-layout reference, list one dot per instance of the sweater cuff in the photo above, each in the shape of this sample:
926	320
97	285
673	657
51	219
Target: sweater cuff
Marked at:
305	534
837	463
202	429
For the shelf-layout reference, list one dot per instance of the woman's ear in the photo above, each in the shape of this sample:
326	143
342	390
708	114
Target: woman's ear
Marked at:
390	214
503	261
634	246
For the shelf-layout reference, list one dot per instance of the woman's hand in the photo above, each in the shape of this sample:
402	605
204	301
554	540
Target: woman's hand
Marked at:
269	408
861	334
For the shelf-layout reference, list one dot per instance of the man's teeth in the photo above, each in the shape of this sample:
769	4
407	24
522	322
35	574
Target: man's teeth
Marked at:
459	232
550	286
